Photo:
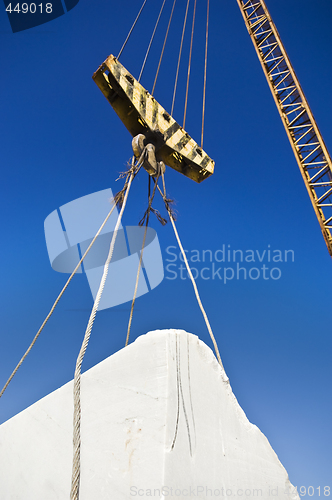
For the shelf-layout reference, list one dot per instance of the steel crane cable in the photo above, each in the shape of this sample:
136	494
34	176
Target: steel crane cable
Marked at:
171	216
205	70
131	29
189	62
151	40
189	65
163	49
179	57
76	470
145	219
116	199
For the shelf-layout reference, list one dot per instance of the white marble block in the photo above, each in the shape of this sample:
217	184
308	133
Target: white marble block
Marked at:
159	420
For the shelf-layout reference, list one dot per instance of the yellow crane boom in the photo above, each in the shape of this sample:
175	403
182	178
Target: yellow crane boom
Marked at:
307	143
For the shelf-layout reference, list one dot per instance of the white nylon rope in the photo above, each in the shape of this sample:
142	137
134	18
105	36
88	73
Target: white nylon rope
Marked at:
74	494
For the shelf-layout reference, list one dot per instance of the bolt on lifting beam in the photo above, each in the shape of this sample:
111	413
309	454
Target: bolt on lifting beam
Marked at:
142	114
307	143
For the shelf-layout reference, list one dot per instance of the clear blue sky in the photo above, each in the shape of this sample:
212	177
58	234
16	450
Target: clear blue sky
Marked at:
61	140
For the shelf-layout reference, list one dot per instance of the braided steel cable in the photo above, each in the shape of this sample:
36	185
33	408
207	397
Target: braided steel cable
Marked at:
76	469
131	29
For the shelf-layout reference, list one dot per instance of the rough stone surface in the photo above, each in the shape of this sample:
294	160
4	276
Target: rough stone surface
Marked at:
159	420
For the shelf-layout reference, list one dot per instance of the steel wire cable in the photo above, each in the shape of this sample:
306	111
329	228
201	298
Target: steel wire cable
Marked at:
163	194
163	49
189	65
56	302
205	70
76	469
179	57
151	197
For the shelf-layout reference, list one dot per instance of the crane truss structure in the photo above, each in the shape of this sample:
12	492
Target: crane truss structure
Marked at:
307	143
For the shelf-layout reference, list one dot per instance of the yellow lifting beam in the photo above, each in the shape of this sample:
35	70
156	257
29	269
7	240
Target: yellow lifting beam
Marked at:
307	143
142	114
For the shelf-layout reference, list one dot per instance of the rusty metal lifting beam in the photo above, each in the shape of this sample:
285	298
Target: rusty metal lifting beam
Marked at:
307	143
142	114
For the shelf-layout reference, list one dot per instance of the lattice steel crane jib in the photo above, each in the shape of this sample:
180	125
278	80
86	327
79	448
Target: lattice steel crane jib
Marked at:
142	114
